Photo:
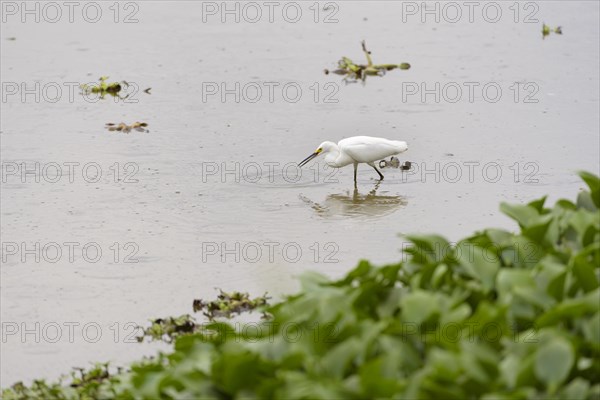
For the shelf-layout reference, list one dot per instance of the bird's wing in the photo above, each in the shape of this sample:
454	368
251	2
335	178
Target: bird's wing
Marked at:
365	149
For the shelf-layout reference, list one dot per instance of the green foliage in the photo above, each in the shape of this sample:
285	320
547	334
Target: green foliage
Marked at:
497	315
546	30
94	383
103	88
226	305
229	304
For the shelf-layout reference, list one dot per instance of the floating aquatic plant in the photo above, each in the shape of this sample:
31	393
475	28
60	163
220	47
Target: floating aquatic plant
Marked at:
167	329
354	72
546	30
104	88
122	127
228	304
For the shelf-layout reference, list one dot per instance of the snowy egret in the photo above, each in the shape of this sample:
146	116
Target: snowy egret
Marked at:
356	150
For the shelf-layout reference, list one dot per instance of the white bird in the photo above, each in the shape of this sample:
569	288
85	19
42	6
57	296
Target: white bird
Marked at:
356	150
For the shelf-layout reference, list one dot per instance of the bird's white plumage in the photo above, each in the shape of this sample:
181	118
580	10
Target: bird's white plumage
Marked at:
367	149
356	150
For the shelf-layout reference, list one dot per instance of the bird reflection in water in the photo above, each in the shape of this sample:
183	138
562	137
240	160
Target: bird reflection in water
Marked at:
356	204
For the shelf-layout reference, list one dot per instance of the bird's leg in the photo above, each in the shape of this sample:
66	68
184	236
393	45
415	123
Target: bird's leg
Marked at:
355	169
375	168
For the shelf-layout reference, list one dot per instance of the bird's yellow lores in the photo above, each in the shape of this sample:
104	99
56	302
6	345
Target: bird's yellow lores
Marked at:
356	150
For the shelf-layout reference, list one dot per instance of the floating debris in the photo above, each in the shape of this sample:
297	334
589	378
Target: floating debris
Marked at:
104	88
97	374
546	30
122	127
354	72
394	162
167	329
12	38
228	304
147	90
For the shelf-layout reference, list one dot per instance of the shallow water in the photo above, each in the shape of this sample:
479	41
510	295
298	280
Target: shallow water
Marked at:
211	197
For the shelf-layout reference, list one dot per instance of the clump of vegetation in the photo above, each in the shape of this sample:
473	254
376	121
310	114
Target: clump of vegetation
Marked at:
354	72
546	30
228	304
167	329
122	127
85	384
104	88
498	315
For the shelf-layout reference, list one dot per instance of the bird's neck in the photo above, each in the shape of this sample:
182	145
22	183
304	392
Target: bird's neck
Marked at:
332	155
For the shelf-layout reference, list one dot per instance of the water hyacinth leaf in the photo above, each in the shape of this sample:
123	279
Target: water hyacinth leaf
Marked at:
593	183
571	308
509	368
523	214
550	276
591	330
553	361
479	263
499	237
539	230
587	225
428	247
584	272
538	204
374	381
419	306
566	204
585	201
337	360
578	389
449	320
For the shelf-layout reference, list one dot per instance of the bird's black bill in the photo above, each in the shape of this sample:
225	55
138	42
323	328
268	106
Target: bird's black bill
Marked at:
307	159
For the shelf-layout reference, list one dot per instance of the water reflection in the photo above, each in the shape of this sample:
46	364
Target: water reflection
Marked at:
356	204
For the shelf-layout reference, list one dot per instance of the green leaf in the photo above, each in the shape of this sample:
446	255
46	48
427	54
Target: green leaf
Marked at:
538	204
593	182
419	306
554	360
479	263
523	214
584	272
